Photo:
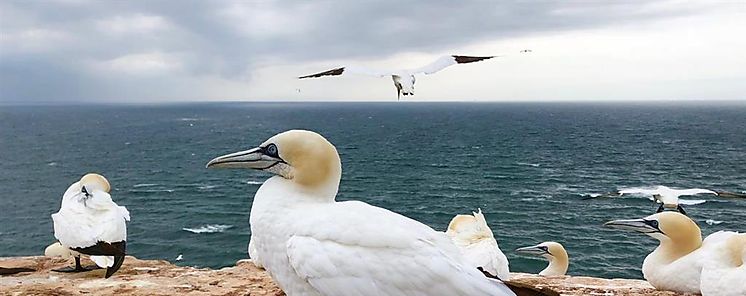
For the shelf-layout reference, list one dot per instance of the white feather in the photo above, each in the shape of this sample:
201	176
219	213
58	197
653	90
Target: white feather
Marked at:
311	247
475	240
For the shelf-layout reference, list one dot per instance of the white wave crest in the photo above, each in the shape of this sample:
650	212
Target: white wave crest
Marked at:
209	228
712	222
144	185
251	182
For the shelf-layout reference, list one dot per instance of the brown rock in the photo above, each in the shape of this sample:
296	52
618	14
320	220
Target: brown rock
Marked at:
159	277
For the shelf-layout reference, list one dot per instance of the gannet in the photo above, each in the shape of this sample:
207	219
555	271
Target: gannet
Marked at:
474	238
403	79
677	263
552	251
312	245
90	223
666	196
724	269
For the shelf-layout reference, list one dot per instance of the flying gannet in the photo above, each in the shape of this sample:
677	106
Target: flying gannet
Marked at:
313	245
677	263
666	196
472	235
403	79
559	261
90	223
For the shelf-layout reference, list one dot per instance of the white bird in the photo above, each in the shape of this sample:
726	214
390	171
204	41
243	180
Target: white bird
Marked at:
90	223
180	257
474	238
669	197
313	245
677	263
724	270
403	79
559	261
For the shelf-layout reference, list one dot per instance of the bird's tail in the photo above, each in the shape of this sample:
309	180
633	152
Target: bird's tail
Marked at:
521	289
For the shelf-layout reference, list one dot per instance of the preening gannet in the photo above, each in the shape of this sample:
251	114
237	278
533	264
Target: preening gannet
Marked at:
474	238
677	263
312	245
90	223
552	251
403	79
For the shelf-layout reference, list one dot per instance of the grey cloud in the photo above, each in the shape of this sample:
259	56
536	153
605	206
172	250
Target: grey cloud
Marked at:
211	41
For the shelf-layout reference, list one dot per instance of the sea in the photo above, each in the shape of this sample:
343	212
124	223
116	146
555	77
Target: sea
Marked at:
528	166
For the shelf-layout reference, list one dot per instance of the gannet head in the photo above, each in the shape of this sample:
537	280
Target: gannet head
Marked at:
468	229
678	234
304	157
93	181
552	251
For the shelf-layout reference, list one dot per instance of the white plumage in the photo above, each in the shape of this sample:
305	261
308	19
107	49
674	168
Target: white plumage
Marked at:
313	245
89	216
403	79
669	197
681	260
724	267
475	240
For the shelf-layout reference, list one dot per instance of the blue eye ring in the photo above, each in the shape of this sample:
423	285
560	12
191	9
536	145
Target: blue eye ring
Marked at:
271	150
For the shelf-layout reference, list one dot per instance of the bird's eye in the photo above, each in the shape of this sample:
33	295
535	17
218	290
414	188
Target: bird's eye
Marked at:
652	223
271	150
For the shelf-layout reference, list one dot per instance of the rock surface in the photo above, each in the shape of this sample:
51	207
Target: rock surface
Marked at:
159	277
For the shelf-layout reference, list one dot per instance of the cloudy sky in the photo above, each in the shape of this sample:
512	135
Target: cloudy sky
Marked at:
173	51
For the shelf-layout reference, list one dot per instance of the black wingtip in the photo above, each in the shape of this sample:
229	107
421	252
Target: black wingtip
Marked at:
118	260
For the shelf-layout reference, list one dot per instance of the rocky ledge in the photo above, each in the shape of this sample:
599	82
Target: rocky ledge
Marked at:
159	277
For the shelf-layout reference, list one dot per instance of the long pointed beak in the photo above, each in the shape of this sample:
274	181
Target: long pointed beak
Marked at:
532	250
638	225
251	159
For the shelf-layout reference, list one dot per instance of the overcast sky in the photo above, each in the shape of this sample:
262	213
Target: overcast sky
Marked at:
172	51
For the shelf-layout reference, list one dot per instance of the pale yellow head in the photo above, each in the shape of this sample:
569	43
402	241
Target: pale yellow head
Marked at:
469	228
304	157
558	258
93	181
677	234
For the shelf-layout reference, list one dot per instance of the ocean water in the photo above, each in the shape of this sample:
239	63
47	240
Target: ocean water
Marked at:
527	166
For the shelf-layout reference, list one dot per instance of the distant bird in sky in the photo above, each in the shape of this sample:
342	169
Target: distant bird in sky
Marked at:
403	79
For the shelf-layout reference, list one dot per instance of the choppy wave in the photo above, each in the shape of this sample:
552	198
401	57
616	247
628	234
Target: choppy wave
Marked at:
528	164
144	185
712	222
252	182
209	228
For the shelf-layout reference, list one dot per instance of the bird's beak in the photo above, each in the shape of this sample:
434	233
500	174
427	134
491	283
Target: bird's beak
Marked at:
638	225
533	250
250	159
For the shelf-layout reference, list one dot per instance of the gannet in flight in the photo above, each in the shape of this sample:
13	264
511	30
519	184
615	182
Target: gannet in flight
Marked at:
552	251
403	79
474	238
667	197
313	245
677	263
90	223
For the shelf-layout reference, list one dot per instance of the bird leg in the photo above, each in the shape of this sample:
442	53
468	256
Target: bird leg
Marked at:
660	209
681	209
77	268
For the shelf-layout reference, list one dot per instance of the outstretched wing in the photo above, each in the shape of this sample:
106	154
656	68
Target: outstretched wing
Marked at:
446	61
691	202
348	70
695	191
